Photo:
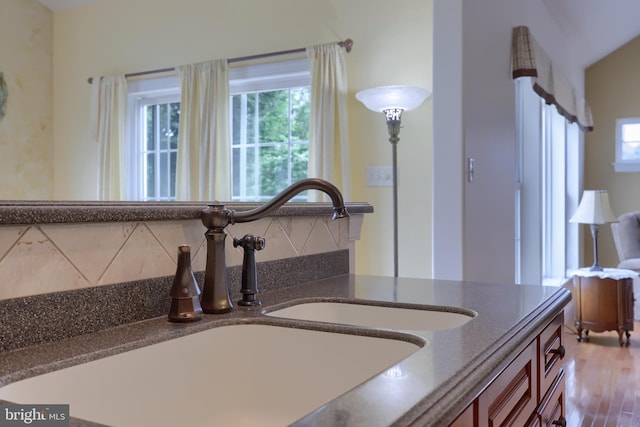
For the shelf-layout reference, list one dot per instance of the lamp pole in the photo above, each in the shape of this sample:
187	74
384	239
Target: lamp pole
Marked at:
393	116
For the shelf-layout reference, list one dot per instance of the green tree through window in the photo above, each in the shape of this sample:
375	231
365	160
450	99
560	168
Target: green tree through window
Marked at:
270	141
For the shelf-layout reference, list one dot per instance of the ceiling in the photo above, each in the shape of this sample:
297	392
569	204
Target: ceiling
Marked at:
600	26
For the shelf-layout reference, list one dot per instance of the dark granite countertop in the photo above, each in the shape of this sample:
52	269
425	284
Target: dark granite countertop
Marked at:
441	378
45	212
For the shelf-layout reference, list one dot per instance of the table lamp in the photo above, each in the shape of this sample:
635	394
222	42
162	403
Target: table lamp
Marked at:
594	209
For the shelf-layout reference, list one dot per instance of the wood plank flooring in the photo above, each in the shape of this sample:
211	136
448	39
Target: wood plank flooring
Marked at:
603	380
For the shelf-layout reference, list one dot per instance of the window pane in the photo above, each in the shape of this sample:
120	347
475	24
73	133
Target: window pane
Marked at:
174	123
299	161
251	174
274	170
273	108
151	175
252	116
164	183
300	109
631	132
164	130
172	175
151	126
236	123
631	151
235	179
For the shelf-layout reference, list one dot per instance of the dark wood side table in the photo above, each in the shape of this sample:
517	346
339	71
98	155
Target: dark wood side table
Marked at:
604	302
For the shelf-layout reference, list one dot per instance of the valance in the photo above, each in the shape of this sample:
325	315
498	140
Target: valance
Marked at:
528	59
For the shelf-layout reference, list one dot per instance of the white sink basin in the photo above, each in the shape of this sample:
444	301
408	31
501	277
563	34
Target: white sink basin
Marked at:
240	375
374	316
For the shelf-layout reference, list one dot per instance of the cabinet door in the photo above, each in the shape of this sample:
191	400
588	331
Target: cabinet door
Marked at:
552	410
512	397
465	419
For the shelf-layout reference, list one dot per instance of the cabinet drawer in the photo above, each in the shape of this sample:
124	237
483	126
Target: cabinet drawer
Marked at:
552	410
551	352
512	397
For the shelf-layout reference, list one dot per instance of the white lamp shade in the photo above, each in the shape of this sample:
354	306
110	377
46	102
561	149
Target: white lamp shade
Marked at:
387	97
594	208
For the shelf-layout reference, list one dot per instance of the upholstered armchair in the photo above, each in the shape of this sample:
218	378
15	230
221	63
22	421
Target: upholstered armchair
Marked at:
626	234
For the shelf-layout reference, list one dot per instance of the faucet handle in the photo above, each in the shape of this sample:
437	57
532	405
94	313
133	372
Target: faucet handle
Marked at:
250	244
185	293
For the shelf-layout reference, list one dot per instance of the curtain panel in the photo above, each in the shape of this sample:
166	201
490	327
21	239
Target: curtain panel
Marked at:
529	60
107	127
203	169
328	136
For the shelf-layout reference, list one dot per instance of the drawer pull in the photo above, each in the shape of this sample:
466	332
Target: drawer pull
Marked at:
562	422
560	351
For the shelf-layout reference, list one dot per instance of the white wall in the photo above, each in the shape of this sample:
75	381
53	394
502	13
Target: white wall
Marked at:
486	252
392	46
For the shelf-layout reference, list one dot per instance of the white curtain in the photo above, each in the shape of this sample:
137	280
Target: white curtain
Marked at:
203	170
329	143
107	127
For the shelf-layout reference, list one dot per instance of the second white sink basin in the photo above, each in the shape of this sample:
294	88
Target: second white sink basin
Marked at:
238	375
375	316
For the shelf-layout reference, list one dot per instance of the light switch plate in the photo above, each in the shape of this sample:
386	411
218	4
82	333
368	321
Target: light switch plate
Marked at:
379	176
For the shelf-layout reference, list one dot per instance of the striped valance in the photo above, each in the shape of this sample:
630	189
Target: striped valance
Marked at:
528	59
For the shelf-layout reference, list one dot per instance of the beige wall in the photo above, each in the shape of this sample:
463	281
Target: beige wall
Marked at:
26	132
121	36
613	90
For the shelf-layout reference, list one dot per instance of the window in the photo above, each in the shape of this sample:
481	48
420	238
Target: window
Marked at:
270	141
154	114
547	190
269	114
270	106
627	145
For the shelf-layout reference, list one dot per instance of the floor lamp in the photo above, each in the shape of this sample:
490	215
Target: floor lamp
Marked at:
393	101
594	209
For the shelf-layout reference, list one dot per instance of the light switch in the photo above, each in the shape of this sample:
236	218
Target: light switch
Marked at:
379	176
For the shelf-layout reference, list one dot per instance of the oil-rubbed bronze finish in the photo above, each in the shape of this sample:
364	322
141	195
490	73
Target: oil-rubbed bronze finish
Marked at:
215	292
249	290
185	292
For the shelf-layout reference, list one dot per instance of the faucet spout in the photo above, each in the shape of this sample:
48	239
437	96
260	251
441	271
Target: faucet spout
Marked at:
339	210
215	292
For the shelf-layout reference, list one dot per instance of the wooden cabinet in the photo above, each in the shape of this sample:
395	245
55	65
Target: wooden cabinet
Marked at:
529	391
603	304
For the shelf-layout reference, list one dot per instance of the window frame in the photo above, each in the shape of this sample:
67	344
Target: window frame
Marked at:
623	165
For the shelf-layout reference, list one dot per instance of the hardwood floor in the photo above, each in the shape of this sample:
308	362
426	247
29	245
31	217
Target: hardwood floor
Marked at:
603	380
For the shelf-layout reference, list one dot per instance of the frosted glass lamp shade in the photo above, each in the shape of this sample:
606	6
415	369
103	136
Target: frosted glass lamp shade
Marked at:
382	98
594	208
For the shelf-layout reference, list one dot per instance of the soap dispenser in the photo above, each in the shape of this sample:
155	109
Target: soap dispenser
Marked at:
185	292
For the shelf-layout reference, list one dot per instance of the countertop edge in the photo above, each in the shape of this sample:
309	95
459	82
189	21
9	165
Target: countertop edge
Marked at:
468	383
35	212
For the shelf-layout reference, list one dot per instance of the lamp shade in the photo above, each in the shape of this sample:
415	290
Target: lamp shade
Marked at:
594	208
387	97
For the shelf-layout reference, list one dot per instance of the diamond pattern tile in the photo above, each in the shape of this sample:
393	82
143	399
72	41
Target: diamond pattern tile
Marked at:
140	257
90	249
53	257
34	265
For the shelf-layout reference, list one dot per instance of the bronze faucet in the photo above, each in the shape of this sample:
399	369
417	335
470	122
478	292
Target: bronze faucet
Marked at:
215	292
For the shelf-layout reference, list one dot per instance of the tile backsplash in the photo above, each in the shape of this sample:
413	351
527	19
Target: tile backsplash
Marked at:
44	258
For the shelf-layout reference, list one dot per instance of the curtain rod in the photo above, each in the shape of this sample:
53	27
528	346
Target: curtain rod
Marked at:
347	44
